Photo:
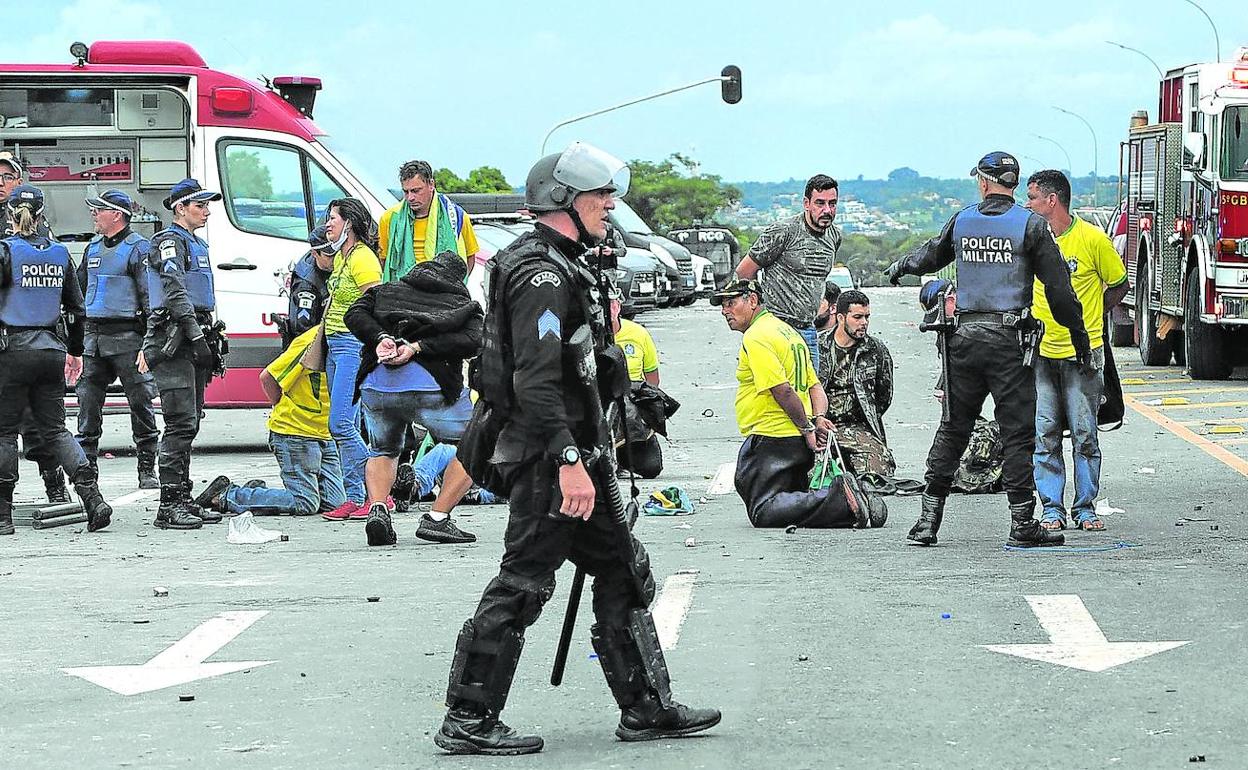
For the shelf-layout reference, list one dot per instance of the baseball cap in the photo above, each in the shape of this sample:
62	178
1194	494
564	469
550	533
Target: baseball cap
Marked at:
11	159
318	239
999	167
735	287
189	190
28	195
112	199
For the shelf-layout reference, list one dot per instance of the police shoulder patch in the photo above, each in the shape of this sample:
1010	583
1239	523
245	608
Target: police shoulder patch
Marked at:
545	277
168	249
548	323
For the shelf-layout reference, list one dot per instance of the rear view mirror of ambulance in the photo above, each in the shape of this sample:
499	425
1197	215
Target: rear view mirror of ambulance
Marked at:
139	116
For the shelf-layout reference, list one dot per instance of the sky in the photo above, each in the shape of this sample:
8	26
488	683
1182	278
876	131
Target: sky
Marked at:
839	88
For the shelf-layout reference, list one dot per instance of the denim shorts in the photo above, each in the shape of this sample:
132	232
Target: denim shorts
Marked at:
387	416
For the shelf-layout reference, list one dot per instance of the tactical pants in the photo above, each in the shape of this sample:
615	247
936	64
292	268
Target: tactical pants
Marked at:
98	372
33	448
535	545
987	359
773	481
181	385
35	379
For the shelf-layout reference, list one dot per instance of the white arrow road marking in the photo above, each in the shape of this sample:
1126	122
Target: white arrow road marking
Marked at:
1075	640
722	483
672	606
183	662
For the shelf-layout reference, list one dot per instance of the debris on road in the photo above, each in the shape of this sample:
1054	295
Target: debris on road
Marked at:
690	542
1146	471
245	531
186	698
1104	508
374	598
160	592
790	529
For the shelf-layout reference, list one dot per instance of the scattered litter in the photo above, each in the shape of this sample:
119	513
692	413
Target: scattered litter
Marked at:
790	529
803	658
670	501
722	483
1146	471
945	616
109	456
1104	508
682	526
708	412
186	698
1213	527
593	656
245	531
704	500
284	538
1178	523
374	598
1163	731
160	592
690	542
141	621
1192	518
1196	758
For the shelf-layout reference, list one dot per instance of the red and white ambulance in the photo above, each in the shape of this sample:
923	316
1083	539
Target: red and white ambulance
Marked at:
141	115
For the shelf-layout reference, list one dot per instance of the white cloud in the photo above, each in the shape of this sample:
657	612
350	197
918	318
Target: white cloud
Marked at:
91	20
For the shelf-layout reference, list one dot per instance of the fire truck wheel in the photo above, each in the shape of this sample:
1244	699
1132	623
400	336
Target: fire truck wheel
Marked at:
1153	351
1205	343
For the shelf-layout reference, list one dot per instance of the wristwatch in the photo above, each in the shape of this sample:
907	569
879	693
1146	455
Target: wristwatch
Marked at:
569	455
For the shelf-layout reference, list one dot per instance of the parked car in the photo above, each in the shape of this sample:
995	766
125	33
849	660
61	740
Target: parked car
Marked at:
841	276
676	258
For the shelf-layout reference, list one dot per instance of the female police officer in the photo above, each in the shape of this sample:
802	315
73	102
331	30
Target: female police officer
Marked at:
176	347
36	283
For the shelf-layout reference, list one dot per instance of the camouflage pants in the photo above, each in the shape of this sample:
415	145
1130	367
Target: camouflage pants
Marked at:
864	452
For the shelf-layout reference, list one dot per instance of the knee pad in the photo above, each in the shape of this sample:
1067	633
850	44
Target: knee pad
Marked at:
632	659
482	669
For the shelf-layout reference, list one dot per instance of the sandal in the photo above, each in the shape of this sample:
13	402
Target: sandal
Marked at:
1053	520
1089	522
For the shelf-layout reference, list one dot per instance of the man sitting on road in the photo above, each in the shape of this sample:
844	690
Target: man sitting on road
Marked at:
859	386
778	395
299	437
825	326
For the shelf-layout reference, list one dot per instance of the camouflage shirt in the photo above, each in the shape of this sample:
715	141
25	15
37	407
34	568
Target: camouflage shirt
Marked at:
795	263
871	374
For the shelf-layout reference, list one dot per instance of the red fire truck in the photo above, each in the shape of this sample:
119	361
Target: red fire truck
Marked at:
1186	220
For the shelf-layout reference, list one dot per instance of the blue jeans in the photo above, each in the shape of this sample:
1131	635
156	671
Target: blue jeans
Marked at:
311	477
430	467
811	335
388	415
1068	399
342	363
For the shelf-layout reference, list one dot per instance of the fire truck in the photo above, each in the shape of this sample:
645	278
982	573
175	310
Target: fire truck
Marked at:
142	115
1185	216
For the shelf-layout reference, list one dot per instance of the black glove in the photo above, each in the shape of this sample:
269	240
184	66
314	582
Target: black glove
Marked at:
894	273
1083	350
201	354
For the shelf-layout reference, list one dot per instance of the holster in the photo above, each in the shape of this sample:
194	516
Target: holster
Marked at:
218	343
4	338
1030	333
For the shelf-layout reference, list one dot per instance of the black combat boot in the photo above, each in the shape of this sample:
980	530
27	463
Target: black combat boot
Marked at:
1026	532
99	513
206	515
481	674
147	471
213	496
6	517
173	512
54	485
636	672
924	530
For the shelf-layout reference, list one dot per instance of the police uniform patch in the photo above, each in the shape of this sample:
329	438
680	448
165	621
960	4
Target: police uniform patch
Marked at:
93	263
545	277
305	301
168	250
548	323
169	266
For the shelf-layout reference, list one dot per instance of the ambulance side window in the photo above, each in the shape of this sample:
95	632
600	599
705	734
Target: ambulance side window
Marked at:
263	186
324	189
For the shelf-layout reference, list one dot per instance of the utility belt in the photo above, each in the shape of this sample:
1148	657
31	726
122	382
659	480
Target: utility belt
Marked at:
1010	319
114	325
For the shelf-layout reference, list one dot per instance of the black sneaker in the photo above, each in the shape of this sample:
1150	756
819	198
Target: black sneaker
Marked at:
443	531
404	483
378	528
463	733
256	484
213	496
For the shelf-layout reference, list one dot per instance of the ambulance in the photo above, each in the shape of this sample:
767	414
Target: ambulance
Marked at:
140	116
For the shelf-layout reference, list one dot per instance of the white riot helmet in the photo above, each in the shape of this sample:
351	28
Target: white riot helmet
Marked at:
555	180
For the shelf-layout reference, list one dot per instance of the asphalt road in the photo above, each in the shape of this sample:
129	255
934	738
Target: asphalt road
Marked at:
823	648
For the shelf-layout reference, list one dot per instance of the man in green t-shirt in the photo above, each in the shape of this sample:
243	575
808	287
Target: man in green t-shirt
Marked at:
1068	395
299	437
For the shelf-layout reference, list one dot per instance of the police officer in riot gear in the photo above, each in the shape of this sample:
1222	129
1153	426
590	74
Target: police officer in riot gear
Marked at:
37	282
541	294
114	271
308	292
176	348
1001	248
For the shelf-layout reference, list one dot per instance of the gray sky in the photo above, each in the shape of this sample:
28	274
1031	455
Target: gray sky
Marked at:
839	88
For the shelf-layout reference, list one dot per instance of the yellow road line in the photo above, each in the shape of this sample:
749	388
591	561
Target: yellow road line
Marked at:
1206	405
1141	393
1147	383
1227	457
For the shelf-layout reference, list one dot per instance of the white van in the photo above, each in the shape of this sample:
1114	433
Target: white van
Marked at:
140	116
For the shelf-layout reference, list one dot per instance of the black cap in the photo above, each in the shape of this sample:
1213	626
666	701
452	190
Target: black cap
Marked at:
735	287
112	199
318	239
189	190
999	167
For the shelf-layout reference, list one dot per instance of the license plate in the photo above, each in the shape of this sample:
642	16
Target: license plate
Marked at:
645	287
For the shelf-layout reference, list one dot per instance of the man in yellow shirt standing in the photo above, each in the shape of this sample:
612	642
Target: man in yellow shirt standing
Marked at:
422	225
299	437
1067	395
778	395
643	450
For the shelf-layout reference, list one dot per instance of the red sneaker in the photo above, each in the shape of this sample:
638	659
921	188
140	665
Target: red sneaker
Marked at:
360	513
347	510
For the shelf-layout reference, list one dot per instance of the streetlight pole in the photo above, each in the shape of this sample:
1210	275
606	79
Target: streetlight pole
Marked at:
729	78
1217	42
1095	166
1157	67
1039	163
1059	146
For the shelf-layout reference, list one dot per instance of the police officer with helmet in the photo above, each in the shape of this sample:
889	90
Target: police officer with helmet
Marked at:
37	282
114	271
1001	248
541	293
308	291
176	348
